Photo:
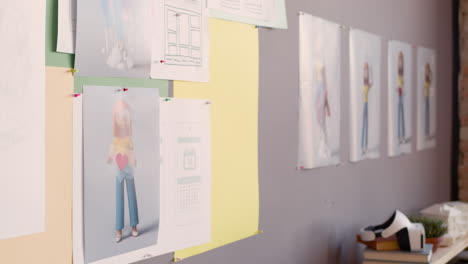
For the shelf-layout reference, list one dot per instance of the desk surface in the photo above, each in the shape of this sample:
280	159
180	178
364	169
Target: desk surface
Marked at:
445	254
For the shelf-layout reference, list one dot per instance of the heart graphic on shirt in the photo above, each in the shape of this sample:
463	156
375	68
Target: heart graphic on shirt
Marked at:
121	160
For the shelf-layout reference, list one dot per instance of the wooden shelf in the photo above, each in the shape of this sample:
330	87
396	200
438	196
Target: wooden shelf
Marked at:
445	254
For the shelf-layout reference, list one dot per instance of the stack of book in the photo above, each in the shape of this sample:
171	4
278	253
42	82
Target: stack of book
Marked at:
372	256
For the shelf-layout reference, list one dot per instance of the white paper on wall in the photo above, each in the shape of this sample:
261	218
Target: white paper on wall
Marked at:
400	106
365	54
22	111
185	180
66	26
319	97
180	49
426	95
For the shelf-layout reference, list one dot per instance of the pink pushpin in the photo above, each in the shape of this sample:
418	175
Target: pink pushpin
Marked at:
76	95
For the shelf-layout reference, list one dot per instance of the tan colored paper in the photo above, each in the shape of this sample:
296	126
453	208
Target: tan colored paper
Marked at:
233	91
54	246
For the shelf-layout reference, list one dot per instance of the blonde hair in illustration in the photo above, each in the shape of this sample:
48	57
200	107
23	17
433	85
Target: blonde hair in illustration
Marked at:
121	120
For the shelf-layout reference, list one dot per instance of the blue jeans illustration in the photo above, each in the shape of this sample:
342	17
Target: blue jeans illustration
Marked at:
364	131
125	175
428	124
112	11
401	119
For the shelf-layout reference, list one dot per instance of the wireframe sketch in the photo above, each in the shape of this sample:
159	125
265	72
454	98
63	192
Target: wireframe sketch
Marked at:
114	38
180	47
319	102
121	153
426	93
365	95
399	98
120	170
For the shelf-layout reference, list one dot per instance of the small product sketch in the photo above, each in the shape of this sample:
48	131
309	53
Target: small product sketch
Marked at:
365	95
426	93
367	85
183	37
319	100
400	76
121	153
180	45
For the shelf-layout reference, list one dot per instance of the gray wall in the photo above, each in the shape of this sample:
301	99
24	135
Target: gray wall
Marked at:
313	216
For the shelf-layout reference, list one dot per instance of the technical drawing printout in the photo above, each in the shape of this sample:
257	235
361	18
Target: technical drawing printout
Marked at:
181	42
257	9
22	117
66	26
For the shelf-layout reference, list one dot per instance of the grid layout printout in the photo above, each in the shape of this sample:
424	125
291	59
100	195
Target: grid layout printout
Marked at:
181	43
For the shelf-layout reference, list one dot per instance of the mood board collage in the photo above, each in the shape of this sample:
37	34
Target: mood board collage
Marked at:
146	174
320	60
135	168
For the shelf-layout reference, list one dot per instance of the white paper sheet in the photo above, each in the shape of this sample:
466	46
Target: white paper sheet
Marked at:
66	26
365	61
266	13
400	104
22	129
180	48
185	175
257	9
426	94
320	85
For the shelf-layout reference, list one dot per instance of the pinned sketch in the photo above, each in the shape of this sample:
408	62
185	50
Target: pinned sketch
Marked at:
400	88
66	26
426	91
267	13
181	42
185	178
365	52
120	170
319	100
114	38
22	118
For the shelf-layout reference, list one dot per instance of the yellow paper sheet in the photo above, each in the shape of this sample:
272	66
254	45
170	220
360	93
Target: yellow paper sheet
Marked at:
233	91
54	246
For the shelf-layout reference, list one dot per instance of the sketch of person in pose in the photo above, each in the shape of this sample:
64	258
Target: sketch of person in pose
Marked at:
367	84
401	109
116	21
122	154
322	105
427	87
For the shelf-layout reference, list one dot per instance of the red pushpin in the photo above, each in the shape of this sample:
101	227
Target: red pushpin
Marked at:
76	95
162	61
125	89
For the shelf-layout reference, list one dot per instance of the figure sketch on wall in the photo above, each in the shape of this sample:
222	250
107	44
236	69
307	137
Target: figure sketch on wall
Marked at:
367	84
427	87
122	154
401	108
322	105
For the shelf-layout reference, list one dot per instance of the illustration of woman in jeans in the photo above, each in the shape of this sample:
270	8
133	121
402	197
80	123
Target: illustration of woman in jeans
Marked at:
322	107
367	84
427	86
401	109
116	24
122	154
